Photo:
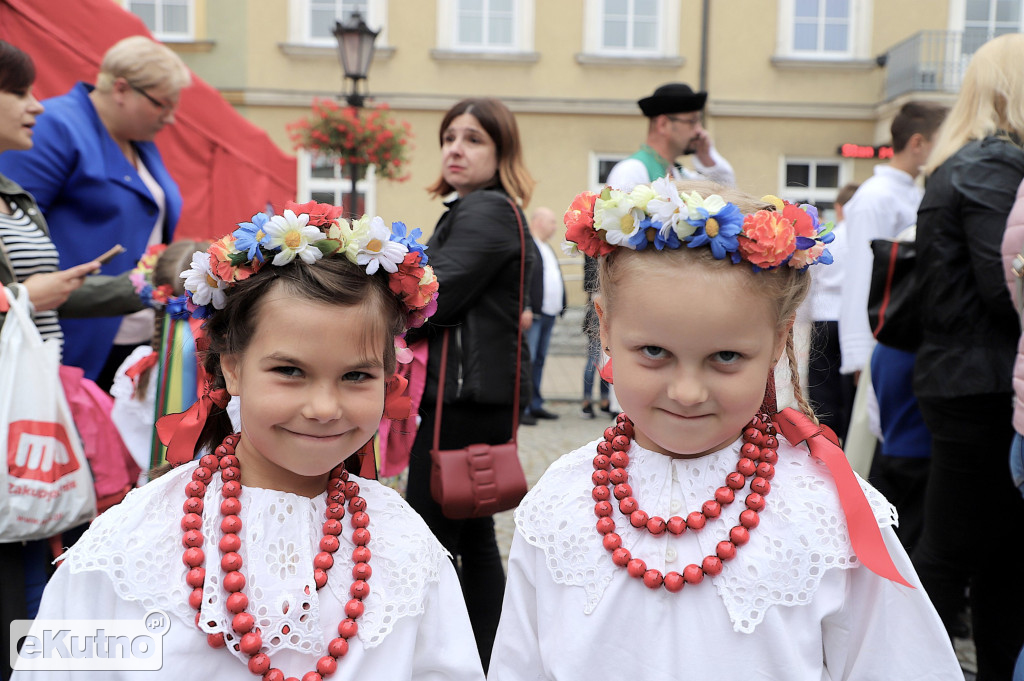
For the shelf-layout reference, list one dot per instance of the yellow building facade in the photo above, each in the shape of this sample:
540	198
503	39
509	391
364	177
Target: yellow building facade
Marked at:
790	81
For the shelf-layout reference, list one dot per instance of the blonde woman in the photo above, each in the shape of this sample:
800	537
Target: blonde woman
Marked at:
962	376
99	181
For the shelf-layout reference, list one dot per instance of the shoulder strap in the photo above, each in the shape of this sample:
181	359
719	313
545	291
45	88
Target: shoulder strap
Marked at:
519	344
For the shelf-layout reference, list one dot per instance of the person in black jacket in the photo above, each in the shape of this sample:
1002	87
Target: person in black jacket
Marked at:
475	252
962	375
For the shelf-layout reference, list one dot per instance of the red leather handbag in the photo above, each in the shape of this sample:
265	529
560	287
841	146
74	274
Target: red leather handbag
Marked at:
480	479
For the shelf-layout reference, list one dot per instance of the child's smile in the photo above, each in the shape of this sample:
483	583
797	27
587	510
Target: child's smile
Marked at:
690	370
310	393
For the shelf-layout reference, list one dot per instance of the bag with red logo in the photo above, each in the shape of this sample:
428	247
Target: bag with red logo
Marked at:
46	486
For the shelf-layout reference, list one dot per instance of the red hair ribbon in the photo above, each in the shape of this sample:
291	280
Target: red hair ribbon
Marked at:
865	536
134	371
397	405
605	372
180	432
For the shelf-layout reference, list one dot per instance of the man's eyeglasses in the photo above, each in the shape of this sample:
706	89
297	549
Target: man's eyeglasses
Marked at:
163	106
689	120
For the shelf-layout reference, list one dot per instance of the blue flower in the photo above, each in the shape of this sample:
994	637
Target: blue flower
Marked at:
398	233
719	230
250	235
639	240
664	238
177	307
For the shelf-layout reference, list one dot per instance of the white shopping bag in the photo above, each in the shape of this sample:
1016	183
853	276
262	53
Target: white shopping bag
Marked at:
46	486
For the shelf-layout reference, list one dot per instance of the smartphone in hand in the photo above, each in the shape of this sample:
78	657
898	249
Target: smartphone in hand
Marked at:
110	254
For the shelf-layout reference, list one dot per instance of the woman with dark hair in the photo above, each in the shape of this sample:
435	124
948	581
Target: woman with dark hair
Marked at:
475	252
29	266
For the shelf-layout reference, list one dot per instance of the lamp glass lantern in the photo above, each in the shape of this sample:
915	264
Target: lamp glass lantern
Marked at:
355	52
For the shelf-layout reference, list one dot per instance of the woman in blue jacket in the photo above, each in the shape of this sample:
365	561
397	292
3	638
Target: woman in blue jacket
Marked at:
99	181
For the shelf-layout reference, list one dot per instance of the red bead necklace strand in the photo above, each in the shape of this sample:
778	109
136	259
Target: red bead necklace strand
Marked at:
339	490
758	456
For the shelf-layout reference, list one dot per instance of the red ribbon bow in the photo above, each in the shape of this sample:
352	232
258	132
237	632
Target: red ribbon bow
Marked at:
865	537
180	432
134	371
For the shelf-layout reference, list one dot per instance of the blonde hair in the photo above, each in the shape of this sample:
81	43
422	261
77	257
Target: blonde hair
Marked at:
785	287
143	63
991	98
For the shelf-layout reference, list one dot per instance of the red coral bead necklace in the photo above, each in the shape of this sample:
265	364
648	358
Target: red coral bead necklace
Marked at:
758	456
339	490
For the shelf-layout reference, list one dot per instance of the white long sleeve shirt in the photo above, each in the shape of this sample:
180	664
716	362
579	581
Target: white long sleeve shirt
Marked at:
795	604
882	207
629	172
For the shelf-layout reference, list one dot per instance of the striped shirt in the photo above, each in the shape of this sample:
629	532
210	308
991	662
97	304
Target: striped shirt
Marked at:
30	252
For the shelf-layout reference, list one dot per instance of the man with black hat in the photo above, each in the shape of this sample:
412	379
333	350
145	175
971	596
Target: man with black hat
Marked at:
674	129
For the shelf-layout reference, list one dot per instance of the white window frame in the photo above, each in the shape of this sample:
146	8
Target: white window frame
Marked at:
958	17
171	37
813	194
338	185
522	29
299	23
594	167
858	42
668	32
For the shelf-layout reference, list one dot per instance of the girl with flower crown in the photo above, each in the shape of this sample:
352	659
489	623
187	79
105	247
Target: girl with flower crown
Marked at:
266	557
708	535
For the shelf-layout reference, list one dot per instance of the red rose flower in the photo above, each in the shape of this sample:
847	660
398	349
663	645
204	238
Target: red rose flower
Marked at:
319	213
579	226
803	224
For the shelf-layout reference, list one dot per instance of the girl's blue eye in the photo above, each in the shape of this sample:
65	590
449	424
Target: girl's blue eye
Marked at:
727	356
653	352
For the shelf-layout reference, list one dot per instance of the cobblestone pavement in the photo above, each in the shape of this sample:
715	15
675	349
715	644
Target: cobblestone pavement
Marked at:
541	444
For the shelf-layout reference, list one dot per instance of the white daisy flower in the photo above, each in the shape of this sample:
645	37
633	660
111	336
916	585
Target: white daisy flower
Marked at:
670	209
379	250
618	216
293	236
202	283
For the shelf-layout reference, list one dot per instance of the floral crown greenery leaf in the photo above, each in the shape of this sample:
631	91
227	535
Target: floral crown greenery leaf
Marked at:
310	232
659	214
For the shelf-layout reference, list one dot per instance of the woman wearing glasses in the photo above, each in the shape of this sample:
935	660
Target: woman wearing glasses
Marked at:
99	181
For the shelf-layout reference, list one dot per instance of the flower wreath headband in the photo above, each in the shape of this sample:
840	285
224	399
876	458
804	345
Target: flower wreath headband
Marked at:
308	231
659	214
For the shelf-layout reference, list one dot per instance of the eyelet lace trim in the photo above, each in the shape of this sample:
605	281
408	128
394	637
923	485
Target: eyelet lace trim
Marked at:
802	532
138	545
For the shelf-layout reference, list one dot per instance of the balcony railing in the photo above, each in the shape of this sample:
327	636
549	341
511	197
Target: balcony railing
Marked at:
929	61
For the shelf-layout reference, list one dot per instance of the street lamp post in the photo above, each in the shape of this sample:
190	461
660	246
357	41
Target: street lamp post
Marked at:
355	52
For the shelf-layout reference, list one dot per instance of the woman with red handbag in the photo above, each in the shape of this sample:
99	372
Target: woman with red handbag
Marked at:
476	252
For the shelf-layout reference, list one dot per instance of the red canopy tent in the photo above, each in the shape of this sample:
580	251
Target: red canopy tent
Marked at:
226	167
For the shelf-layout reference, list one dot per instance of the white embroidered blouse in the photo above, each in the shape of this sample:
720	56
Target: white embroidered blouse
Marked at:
795	604
129	563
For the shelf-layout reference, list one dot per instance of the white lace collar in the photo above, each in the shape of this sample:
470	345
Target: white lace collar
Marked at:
802	532
138	544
